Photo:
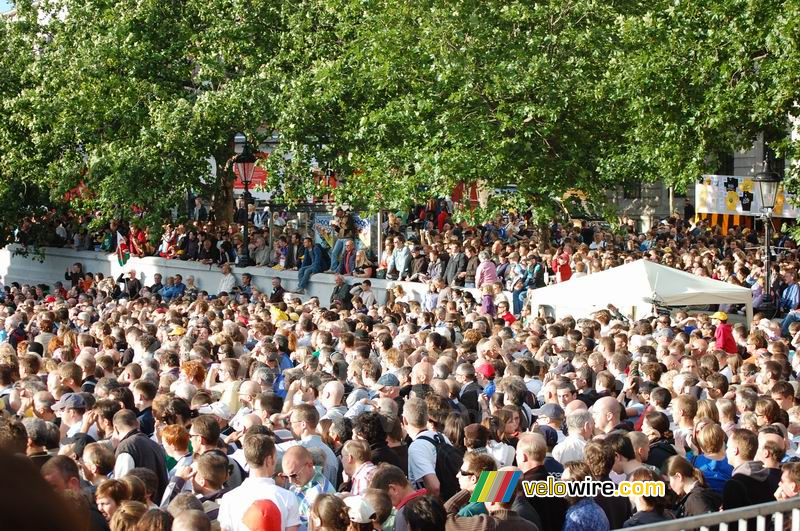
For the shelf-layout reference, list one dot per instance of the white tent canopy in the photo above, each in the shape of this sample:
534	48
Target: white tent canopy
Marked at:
634	287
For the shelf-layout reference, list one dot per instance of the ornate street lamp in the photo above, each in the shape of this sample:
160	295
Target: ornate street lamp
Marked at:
245	163
768	184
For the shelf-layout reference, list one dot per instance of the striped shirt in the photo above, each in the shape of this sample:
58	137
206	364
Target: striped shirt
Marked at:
306	494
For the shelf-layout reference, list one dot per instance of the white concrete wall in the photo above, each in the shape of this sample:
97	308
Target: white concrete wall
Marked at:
29	270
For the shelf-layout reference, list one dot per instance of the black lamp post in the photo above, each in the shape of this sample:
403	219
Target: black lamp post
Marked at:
768	182
245	163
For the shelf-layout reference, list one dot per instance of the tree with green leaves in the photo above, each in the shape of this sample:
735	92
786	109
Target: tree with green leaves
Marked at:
695	80
130	98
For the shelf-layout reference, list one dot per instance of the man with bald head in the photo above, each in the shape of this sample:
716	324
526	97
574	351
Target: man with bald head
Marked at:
304	480
606	415
575	406
422	373
331	399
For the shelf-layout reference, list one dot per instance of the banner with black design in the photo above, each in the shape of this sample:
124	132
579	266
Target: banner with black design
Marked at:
726	194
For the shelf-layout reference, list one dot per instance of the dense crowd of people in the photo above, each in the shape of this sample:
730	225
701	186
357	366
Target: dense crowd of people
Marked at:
133	403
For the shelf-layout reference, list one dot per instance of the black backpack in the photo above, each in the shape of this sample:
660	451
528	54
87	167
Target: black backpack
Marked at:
448	465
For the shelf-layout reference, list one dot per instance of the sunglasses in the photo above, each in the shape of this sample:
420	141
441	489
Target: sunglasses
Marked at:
466	473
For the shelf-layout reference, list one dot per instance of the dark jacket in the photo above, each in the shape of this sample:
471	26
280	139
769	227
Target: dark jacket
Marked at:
146	421
617	508
469	398
276	295
348	263
381	453
313	258
291	256
418	266
472	267
146	453
700	500
131	287
660	451
749	485
456	265
342	293
645	518
73	278
552	511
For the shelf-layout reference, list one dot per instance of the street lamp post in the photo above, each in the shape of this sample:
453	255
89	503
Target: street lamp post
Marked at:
245	163
768	182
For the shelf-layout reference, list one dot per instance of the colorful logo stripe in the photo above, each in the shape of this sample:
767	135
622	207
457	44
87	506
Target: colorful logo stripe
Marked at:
495	487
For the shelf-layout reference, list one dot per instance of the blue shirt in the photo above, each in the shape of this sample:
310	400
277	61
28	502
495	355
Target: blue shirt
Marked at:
586	515
790	299
717	473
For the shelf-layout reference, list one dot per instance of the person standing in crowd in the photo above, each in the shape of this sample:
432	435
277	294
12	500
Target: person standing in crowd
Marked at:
312	263
220	396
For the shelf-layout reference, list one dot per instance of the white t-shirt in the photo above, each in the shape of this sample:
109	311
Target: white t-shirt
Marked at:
234	504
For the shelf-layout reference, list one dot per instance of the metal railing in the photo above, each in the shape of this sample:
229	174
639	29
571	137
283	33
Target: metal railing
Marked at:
767	516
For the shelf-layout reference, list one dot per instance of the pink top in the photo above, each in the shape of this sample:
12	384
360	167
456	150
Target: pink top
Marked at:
486	273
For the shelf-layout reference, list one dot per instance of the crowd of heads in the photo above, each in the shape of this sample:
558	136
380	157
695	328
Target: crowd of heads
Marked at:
150	409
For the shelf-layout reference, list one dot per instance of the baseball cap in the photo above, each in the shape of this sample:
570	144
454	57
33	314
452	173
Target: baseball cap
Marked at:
219	409
551	411
665	333
722	316
388	380
79	442
550	435
70	401
486	369
359	510
262	515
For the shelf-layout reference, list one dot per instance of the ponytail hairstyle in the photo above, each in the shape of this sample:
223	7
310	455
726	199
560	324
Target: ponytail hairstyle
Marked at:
660	423
332	513
680	465
658	503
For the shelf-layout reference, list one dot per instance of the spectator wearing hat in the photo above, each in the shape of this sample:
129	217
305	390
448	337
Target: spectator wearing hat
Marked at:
551	415
360	512
723	335
550	435
485	378
71	409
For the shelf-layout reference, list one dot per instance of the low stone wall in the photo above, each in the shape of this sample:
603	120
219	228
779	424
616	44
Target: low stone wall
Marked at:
29	270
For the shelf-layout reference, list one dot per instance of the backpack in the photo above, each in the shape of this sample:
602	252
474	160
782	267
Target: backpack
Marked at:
448	465
326	257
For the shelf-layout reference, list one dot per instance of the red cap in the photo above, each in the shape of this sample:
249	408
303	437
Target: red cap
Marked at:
262	515
486	369
49	299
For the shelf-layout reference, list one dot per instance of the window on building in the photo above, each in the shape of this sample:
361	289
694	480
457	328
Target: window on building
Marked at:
632	190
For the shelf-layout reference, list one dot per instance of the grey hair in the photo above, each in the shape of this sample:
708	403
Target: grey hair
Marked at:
576	421
483	256
37	430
